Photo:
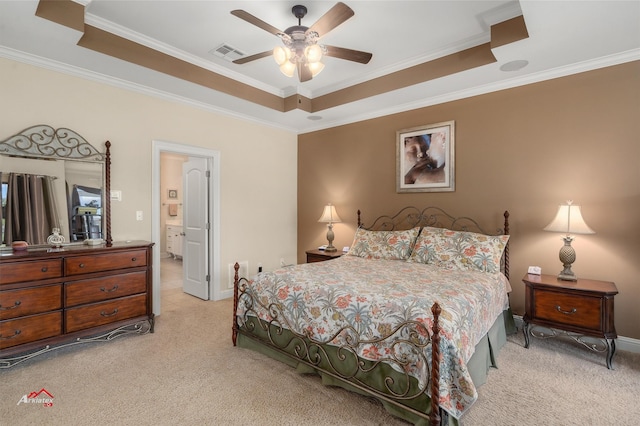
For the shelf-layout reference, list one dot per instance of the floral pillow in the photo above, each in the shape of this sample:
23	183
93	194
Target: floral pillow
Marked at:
383	244
459	250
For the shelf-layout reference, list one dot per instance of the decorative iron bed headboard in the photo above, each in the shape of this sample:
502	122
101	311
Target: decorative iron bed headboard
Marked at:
411	217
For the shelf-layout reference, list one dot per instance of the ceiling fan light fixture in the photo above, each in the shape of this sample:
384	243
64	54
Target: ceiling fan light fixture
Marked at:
281	55
288	68
313	53
301	50
315	68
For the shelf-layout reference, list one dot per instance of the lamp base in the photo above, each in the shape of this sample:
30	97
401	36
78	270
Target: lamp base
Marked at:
330	237
567	257
565	277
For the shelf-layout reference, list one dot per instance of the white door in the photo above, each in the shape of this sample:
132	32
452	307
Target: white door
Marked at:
195	264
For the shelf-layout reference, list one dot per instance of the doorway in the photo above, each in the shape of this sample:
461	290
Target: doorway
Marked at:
172	211
162	212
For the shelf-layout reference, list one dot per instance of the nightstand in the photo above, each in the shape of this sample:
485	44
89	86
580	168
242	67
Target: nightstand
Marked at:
321	255
582	308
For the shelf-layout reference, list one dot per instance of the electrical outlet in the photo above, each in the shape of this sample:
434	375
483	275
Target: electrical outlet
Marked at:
282	262
139	215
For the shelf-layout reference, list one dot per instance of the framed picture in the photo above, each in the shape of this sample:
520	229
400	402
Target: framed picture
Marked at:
425	158
173	193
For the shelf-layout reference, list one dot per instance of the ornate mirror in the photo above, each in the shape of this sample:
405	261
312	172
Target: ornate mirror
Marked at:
54	181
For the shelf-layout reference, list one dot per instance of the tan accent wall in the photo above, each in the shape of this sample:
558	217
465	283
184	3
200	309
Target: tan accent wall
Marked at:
525	150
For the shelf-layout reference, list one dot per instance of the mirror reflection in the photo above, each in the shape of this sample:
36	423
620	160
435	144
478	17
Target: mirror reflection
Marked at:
61	188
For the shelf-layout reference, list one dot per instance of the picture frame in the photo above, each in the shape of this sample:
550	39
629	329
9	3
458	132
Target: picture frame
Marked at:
425	158
173	193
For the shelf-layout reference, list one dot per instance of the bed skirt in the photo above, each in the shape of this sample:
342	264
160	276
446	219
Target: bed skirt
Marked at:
415	408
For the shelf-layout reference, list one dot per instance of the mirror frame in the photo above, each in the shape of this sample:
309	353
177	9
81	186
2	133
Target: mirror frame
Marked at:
44	142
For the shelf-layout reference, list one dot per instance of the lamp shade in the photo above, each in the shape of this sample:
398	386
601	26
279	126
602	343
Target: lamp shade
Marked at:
313	53
569	220
315	68
329	215
288	68
281	55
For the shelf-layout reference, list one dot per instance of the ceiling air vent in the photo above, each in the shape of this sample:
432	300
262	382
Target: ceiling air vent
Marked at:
227	52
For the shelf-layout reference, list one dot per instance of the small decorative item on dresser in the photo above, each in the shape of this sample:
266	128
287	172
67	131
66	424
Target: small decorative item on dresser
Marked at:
19	245
55	239
581	309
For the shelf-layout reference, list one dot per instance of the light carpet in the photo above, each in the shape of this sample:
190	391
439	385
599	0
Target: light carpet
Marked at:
188	372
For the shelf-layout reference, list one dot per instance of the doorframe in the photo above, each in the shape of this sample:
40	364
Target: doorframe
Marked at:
158	147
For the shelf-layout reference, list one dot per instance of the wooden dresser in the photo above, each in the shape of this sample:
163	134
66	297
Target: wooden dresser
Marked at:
50	297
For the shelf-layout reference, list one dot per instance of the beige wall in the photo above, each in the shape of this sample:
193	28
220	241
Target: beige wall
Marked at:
525	150
258	224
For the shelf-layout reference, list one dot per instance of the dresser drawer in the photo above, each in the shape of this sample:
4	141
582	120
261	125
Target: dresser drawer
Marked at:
29	329
88	316
576	310
105	262
99	289
29	301
15	272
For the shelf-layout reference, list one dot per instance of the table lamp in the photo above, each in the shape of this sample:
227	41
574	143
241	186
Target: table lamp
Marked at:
569	221
329	216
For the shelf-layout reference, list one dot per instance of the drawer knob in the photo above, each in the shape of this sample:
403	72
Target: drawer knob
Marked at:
133	259
104	314
44	269
114	288
15	334
571	312
15	305
81	265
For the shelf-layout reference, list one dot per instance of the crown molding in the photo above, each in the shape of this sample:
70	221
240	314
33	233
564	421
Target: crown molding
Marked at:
607	61
63	68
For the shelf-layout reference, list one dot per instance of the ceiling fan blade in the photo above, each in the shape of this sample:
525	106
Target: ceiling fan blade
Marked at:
253	57
304	74
257	22
348	54
334	17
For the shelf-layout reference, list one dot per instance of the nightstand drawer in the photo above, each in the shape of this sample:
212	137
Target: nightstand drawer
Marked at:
322	255
576	310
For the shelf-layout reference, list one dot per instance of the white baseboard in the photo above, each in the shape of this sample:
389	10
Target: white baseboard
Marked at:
622	343
628	344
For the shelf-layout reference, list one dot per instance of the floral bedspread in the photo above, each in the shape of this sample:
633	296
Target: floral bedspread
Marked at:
374	296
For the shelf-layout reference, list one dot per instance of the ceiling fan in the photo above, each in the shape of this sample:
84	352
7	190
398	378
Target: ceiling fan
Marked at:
301	50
